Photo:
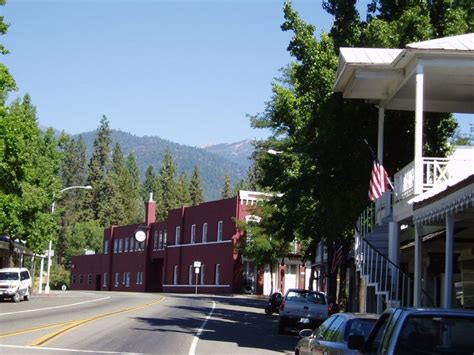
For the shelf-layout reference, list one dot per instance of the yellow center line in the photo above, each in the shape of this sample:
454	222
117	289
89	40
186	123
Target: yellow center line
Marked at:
35	329
75	324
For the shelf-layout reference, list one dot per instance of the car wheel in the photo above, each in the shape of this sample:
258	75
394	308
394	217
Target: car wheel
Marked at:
268	311
26	297
16	297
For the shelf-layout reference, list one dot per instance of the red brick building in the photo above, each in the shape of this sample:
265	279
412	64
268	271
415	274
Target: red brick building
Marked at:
164	260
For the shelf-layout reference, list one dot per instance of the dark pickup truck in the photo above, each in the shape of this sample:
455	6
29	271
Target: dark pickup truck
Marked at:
419	331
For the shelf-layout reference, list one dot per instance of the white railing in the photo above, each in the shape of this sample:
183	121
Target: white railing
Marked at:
435	171
366	221
383	208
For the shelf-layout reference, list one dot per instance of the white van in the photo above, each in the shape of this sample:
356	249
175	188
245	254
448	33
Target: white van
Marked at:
15	283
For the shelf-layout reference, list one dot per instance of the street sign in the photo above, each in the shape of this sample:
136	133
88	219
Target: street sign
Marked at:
197	264
46	253
196	270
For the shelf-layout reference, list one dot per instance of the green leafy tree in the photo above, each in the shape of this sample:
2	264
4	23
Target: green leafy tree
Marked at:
168	185
98	205
83	236
195	188
29	176
184	196
226	191
7	83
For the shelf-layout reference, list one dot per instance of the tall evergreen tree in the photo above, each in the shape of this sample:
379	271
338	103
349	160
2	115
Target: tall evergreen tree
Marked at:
136	209
184	196
118	178
195	188
168	185
226	191
152	184
99	167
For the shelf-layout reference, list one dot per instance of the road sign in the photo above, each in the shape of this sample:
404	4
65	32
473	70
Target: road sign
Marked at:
197	264
196	270
46	253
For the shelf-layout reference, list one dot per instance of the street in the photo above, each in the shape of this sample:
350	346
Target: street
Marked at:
121	322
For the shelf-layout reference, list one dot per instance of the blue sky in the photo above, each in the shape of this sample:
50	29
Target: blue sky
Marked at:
188	71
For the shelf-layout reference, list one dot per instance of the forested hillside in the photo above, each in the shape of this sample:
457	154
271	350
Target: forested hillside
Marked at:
151	150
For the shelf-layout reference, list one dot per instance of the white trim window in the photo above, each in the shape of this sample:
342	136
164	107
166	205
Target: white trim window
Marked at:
139	277
204	232
124	278
106	246
115	246
120	245
127	279
160	243
175	275
178	235
190	274
132	243
116	279
155	241
125	248
193	234
217	276
104	283
219	230
165	238
203	268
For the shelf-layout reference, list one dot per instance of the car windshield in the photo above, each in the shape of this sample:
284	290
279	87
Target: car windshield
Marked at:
303	296
437	334
6	276
359	326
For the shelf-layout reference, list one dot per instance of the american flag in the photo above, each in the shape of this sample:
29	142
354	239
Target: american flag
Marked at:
336	259
379	181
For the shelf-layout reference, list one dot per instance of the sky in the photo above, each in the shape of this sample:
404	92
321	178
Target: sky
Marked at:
189	71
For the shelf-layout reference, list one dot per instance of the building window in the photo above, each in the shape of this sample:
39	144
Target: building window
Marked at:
193	234
202	274
89	279
190	275
218	274
175	275
106	247
73	279
125	248
204	233
120	245
139	277
124	277
178	235
104	284
137	245
160	242
127	279
155	240
115	246
132	243
165	238
219	230
80	279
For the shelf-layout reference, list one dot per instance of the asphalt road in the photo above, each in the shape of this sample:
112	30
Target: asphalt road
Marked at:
121	322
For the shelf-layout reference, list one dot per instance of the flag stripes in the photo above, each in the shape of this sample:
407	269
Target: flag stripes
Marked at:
378	181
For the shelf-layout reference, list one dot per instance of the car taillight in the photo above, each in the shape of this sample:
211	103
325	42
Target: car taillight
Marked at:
282	305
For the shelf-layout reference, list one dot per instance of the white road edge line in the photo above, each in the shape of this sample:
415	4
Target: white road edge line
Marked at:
192	349
66	350
47	308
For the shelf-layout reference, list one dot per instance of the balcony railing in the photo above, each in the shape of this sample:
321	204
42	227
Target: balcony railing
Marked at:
435	172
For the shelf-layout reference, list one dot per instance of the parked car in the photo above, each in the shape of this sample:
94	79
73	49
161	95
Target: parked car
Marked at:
15	283
419	331
274	302
332	336
302	308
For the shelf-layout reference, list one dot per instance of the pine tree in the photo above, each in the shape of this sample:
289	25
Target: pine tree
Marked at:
118	179
136	204
226	191
152	184
195	188
168	185
184	196
99	167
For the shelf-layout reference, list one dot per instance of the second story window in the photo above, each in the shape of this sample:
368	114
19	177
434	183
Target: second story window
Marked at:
160	245
115	246
155	240
106	247
193	234
204	233
125	249
219	230
132	243
178	235
165	238
120	245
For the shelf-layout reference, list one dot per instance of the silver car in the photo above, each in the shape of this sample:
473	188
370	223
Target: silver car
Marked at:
331	336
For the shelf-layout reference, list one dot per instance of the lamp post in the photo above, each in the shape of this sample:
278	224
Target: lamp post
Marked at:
47	288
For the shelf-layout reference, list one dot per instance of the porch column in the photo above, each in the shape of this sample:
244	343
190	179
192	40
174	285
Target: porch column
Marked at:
448	273
418	265
380	134
394	243
418	188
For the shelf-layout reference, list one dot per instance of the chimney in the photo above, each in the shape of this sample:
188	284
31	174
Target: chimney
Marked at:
150	208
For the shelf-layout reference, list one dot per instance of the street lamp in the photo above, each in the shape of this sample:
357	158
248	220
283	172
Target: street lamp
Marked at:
87	187
47	288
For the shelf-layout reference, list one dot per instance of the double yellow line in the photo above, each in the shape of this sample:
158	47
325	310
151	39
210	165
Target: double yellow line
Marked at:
71	325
